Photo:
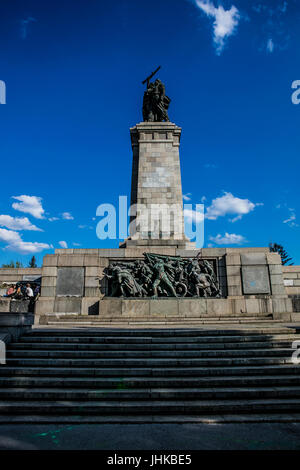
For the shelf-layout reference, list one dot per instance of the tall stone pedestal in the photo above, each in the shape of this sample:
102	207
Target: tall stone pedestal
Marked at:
156	194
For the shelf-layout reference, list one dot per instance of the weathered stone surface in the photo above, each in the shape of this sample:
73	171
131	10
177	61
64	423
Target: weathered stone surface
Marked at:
110	306
138	307
93	271
111	252
92	292
49	271
19	306
233	271
252	306
276	279
70	281
255	280
233	259
48	291
91	282
276	269
44	305
219	306
278	289
282	305
238	305
234	280
234	290
253	259
273	258
163	306
16	319
67	305
91	260
192	307
50	260
90	306
71	260
49	281
4	304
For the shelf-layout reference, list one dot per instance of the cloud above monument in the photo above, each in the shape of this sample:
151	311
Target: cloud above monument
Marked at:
228	239
228	204
30	205
63	244
225	22
67	216
18	223
16	243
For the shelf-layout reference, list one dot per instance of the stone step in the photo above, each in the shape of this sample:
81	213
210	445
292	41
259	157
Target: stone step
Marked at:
149	382
180	340
147	363
169	332
239	418
158	394
174	407
123	372
155	318
168	323
281	417
165	316
64	354
71	346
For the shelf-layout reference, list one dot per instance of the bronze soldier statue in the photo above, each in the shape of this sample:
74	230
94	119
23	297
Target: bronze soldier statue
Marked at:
156	102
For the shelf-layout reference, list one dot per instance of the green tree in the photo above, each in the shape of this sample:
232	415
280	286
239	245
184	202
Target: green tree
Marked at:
285	259
32	263
13	264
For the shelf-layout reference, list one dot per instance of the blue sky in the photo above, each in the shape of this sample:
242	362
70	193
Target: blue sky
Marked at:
73	73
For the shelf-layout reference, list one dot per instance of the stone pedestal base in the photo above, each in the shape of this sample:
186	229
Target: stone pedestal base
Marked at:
250	279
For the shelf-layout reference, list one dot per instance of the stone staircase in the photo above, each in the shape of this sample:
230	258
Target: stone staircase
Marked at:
72	319
111	375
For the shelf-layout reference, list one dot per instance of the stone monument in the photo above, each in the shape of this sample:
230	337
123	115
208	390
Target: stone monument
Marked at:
157	272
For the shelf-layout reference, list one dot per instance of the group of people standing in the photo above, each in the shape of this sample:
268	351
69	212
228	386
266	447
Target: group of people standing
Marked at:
22	291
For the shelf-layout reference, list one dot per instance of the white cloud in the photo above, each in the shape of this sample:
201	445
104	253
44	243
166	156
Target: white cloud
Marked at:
29	204
17	223
15	243
270	46
63	244
86	226
191	215
67	216
291	220
52	219
228	239
187	196
76	244
27	247
225	21
229	204
9	235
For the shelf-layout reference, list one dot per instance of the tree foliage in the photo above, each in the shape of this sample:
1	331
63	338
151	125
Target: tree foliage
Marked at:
285	259
13	264
32	263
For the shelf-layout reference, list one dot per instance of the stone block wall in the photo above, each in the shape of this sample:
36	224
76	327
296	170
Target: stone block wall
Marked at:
156	183
14	275
291	276
251	281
